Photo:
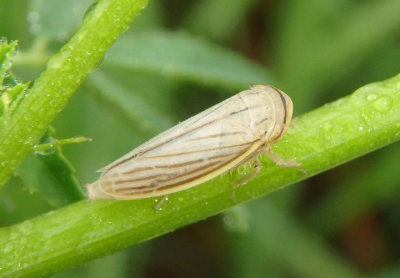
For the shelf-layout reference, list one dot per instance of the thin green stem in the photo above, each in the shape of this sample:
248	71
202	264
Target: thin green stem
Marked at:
65	72
44	147
319	140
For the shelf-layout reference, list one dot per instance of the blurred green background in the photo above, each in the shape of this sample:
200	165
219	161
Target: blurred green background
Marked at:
180	57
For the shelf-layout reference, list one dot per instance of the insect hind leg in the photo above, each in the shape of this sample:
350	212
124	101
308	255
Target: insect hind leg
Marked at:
157	207
281	162
255	163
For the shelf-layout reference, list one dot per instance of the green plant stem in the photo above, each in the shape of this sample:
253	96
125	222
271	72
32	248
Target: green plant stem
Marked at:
65	72
319	140
59	142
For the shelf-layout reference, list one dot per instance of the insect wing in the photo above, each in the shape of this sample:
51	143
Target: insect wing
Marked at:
195	150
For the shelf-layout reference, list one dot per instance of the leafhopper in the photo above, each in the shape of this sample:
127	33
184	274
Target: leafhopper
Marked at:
217	140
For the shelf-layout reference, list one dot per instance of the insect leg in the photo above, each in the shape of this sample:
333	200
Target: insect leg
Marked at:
280	162
157	207
255	163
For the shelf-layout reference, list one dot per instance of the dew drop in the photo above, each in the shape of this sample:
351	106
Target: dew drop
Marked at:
364	94
371	97
50	150
327	126
383	104
47	147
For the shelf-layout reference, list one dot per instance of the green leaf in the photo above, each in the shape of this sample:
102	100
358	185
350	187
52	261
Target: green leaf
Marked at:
135	107
7	54
279	240
10	98
18	204
343	43
56	19
185	57
221	23
52	177
48	173
374	185
11	91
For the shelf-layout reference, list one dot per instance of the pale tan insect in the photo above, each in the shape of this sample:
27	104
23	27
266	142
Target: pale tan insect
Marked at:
217	140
